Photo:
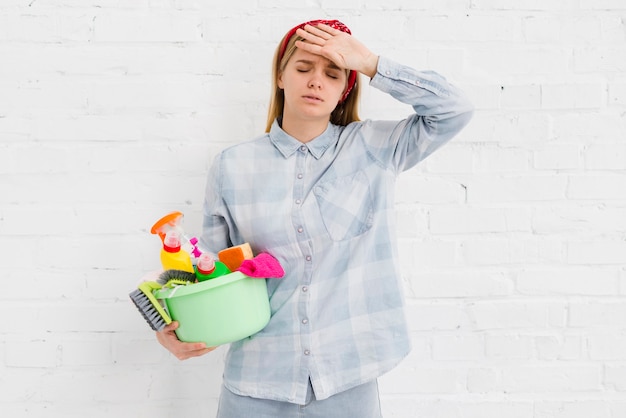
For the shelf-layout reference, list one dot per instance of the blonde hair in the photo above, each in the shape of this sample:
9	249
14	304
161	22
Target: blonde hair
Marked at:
345	112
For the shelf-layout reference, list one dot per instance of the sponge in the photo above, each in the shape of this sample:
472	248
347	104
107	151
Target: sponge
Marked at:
234	256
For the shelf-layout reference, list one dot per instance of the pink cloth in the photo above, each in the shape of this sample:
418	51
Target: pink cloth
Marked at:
262	266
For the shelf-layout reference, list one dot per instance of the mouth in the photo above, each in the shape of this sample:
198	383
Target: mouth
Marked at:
312	98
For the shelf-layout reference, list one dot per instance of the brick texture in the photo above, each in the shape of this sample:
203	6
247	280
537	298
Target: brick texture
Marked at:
512	238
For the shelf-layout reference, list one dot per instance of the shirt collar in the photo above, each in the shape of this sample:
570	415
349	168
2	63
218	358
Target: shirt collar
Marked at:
288	145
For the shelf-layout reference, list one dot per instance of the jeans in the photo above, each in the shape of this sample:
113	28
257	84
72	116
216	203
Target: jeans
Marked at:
359	402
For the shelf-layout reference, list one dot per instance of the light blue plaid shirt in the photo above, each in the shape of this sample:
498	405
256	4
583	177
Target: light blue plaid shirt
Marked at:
325	210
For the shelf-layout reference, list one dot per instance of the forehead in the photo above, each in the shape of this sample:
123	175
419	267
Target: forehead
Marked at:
301	55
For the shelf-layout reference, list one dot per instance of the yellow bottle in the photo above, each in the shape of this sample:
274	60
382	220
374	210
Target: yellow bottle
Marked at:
172	256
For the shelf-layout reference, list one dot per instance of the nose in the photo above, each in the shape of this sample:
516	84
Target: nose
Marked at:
315	81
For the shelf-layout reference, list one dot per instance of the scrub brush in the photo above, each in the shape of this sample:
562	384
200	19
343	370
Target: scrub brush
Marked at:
149	306
174	276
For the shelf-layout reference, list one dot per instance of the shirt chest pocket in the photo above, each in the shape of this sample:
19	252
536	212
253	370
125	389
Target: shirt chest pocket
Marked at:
345	206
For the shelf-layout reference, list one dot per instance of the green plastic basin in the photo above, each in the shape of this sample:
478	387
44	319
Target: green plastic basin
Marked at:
220	310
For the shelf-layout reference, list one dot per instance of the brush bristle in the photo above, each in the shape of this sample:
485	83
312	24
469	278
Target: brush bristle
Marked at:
147	310
168	275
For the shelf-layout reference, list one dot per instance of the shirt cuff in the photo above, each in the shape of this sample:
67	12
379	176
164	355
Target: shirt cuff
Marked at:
389	73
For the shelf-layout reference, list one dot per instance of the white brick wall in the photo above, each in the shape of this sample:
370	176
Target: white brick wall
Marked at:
513	237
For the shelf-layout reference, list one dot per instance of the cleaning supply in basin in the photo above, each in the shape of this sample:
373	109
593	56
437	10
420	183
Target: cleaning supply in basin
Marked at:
234	256
176	276
173	257
171	221
207	268
193	243
262	266
149	306
153	311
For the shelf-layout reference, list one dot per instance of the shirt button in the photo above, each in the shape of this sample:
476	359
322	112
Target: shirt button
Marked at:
300	230
298	201
305	321
388	72
305	289
308	258
302	148
299	176
307	352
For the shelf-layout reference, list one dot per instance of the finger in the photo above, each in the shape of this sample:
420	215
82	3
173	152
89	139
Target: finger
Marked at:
185	350
206	350
328	29
195	353
192	346
172	326
310	47
320	31
310	37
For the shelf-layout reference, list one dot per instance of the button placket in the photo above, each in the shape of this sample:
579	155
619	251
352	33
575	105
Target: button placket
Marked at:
299	225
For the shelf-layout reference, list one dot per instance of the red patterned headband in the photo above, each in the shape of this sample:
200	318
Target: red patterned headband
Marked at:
333	24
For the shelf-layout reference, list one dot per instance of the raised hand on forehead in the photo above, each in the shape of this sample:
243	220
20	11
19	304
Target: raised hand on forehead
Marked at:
341	48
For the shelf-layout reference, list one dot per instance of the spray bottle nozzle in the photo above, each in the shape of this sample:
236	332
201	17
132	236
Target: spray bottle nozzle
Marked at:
206	263
171	242
171	221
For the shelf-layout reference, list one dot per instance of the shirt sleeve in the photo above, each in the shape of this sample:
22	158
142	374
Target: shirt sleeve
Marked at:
215	230
441	111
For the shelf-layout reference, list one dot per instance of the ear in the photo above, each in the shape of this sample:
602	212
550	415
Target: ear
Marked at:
279	81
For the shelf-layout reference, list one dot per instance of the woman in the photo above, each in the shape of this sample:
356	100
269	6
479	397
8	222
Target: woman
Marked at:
317	192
